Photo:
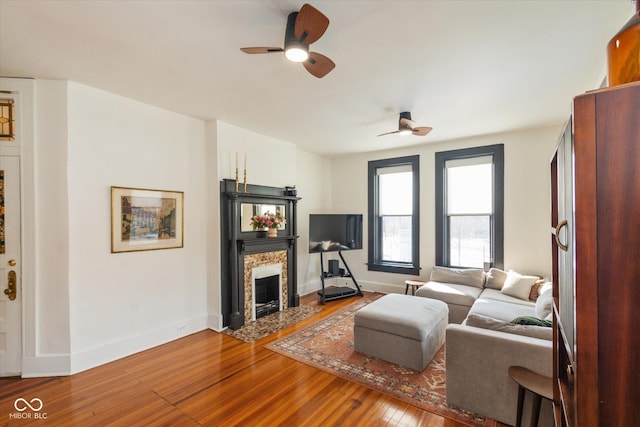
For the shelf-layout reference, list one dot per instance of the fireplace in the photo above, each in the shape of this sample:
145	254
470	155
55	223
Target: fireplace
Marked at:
249	254
264	265
266	296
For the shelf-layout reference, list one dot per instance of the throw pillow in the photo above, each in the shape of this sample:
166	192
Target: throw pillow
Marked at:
534	292
486	322
533	321
496	278
517	285
460	276
544	304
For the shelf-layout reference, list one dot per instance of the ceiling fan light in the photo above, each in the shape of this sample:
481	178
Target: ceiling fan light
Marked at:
405	131
296	53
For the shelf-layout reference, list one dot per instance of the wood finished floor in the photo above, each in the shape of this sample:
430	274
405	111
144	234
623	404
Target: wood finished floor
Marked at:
209	378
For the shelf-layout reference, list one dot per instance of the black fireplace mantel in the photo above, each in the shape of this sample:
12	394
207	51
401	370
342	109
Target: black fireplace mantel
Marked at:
265	244
236	243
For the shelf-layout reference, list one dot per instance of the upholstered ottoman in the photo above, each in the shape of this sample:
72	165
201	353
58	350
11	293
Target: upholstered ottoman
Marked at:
402	329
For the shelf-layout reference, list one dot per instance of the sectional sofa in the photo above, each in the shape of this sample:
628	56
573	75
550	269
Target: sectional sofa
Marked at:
482	342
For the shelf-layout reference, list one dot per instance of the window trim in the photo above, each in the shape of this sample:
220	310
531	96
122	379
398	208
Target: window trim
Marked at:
497	225
374	242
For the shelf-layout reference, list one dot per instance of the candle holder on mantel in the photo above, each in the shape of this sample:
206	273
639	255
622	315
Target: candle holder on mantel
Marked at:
245	179
623	52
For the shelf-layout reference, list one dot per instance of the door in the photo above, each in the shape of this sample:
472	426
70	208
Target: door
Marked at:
10	289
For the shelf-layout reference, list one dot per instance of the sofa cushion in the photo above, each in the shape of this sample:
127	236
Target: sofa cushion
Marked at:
501	309
518	285
450	293
544	304
459	276
487	322
499	296
495	278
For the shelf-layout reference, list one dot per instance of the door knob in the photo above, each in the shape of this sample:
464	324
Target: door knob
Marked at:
12	262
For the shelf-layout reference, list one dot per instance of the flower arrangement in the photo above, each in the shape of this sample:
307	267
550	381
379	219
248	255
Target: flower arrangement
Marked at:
267	220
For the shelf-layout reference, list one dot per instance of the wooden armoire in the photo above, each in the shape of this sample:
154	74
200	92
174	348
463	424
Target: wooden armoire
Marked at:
595	175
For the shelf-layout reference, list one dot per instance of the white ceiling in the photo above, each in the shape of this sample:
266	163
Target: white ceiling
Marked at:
463	67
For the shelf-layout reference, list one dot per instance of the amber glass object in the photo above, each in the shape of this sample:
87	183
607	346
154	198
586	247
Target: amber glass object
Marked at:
623	52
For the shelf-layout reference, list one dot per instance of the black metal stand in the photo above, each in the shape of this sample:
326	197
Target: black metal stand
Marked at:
337	292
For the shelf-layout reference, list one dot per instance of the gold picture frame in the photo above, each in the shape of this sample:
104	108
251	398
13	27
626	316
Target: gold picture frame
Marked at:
143	219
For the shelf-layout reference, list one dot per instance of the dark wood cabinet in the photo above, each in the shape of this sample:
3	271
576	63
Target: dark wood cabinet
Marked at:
596	261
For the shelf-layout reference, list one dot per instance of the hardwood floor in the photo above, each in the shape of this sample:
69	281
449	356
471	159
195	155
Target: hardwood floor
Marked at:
209	378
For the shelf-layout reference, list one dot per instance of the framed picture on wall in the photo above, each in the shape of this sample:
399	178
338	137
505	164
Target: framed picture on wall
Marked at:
143	219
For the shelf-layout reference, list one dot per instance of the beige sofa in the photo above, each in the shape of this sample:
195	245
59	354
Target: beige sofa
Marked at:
482	343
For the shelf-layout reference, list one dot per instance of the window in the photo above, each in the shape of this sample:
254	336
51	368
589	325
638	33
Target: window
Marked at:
394	215
469	207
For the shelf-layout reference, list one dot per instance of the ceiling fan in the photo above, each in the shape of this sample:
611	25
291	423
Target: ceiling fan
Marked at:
406	126
303	28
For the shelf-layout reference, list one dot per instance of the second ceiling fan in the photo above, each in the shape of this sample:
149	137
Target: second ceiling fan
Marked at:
406	126
303	28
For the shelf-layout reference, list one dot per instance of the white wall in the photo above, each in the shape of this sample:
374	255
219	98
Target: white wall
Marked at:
313	180
51	288
277	163
92	306
212	200
527	202
125	302
270	161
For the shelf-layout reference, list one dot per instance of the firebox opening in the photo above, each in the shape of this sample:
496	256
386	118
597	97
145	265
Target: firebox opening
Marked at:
267	295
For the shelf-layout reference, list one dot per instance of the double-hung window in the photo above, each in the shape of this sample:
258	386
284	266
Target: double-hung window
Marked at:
469	207
393	221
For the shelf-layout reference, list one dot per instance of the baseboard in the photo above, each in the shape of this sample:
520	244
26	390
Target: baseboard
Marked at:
309	286
216	322
55	365
385	288
96	356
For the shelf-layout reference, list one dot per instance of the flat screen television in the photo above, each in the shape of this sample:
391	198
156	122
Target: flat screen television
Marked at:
335	232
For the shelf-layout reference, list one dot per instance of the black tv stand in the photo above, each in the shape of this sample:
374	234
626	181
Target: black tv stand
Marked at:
334	293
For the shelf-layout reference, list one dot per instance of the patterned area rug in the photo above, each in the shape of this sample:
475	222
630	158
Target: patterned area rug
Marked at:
328	345
267	325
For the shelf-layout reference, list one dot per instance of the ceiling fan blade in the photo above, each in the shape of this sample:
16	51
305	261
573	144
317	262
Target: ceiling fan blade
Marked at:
252	50
389	133
407	123
421	131
312	22
318	64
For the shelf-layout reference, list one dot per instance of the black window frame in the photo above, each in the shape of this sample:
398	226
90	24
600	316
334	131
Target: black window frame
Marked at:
497	222
375	262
